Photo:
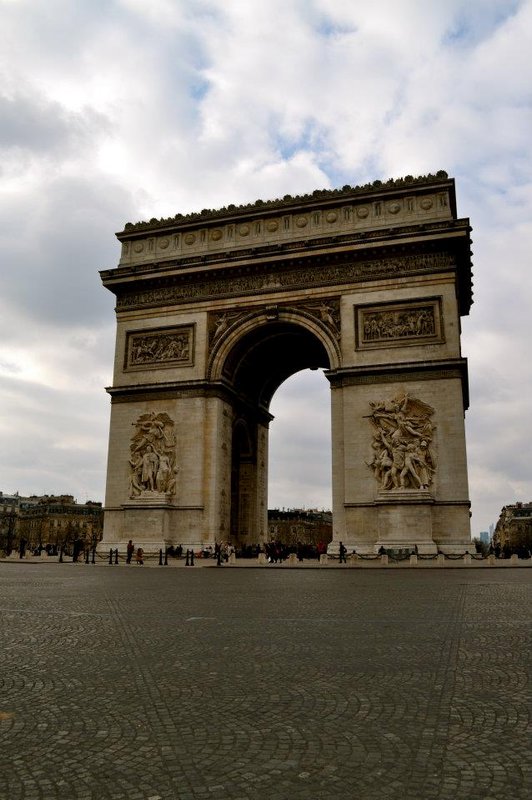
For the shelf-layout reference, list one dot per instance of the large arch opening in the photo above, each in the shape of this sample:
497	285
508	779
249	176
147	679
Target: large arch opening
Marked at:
300	468
256	366
300	443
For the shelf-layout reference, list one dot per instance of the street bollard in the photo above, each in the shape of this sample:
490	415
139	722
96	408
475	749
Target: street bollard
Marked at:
192	558
61	555
165	556
160	557
111	556
93	560
116	556
187	563
87	556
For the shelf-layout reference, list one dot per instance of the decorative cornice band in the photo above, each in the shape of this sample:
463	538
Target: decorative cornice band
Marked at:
435	503
175	391
408	183
393	373
454	229
276	279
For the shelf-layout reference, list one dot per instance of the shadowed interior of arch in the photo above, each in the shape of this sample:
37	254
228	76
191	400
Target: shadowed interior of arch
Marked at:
261	361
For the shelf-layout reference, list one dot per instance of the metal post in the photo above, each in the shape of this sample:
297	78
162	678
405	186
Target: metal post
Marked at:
116	556
93	561
165	556
160	557
61	554
192	558
111	556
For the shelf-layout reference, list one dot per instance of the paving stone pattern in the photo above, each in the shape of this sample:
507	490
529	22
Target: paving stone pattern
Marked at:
137	684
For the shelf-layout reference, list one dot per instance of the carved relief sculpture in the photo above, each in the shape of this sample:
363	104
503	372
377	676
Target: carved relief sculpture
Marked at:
397	325
328	312
401	324
403	433
220	322
162	347
152	463
291	278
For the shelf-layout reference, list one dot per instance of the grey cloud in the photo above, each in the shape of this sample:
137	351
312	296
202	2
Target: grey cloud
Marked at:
54	260
52	441
33	123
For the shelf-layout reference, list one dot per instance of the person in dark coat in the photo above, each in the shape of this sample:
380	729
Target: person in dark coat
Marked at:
129	551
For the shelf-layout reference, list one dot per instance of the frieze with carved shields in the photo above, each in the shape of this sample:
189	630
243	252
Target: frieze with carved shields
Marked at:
402	444
152	463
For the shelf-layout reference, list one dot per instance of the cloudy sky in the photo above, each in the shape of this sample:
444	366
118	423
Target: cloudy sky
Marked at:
120	110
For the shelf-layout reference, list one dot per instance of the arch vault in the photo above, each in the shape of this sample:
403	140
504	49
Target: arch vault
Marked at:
216	309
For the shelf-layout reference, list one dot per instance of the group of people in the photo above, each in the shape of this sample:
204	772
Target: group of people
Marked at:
131	551
277	552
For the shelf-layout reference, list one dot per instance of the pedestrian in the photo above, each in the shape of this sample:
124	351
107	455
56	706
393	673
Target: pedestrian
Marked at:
343	551
140	556
76	552
129	551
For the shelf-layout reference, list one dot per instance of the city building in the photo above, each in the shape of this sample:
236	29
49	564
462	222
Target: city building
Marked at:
9	509
299	526
48	520
513	532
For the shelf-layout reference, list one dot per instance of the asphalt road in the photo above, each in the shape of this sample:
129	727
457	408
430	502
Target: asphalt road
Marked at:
153	684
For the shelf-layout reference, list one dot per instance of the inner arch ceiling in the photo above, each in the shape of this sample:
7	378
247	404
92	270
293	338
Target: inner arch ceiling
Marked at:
265	357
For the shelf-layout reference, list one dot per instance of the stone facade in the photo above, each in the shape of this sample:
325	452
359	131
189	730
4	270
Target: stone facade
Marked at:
56	520
295	527
215	310
513	532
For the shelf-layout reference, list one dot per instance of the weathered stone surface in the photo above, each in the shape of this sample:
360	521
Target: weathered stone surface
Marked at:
215	311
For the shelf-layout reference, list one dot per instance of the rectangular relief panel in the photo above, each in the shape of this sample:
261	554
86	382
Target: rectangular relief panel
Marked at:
399	324
159	348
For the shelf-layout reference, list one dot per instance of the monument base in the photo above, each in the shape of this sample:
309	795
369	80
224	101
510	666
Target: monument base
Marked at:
405	520
148	499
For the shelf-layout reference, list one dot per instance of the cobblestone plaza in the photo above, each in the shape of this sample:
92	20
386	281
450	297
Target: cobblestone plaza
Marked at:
133	683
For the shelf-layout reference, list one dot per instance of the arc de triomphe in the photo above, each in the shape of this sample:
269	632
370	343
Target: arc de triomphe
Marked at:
216	309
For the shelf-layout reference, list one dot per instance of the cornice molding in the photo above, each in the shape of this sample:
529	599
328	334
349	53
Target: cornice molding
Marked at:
378	187
446	369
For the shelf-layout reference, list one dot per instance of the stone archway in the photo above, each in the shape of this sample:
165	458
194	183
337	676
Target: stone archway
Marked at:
255	354
216	310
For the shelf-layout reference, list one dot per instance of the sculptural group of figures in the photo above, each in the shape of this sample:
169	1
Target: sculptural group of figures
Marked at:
402	457
159	347
152	462
395	325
